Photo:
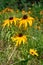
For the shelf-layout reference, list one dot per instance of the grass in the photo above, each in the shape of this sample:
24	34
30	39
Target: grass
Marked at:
11	55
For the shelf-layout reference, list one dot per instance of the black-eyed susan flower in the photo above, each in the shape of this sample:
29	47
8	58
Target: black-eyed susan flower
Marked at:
41	12
7	10
24	12
37	27
19	39
10	21
33	52
29	12
26	20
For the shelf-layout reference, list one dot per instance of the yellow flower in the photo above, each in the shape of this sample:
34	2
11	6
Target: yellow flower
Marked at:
10	21
24	12
29	12
33	52
26	20
7	10
37	27
19	39
41	12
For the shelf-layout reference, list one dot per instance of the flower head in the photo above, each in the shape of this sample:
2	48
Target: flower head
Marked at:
7	10
10	21
19	38
33	52
29	12
37	27
24	12
26	20
41	12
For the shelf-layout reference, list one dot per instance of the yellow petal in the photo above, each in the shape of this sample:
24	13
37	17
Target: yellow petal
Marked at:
30	22
16	43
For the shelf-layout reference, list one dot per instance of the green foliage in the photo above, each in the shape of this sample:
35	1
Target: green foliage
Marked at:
17	4
21	54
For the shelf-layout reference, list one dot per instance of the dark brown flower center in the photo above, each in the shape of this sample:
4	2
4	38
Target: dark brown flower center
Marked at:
20	35
25	17
11	18
32	52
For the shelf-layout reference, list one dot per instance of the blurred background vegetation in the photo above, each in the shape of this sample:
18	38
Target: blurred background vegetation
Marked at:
18	4
6	45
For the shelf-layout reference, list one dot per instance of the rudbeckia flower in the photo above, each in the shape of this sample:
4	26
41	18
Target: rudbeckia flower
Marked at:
37	27
7	10
29	12
33	52
19	39
25	21
10	21
41	12
24	12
